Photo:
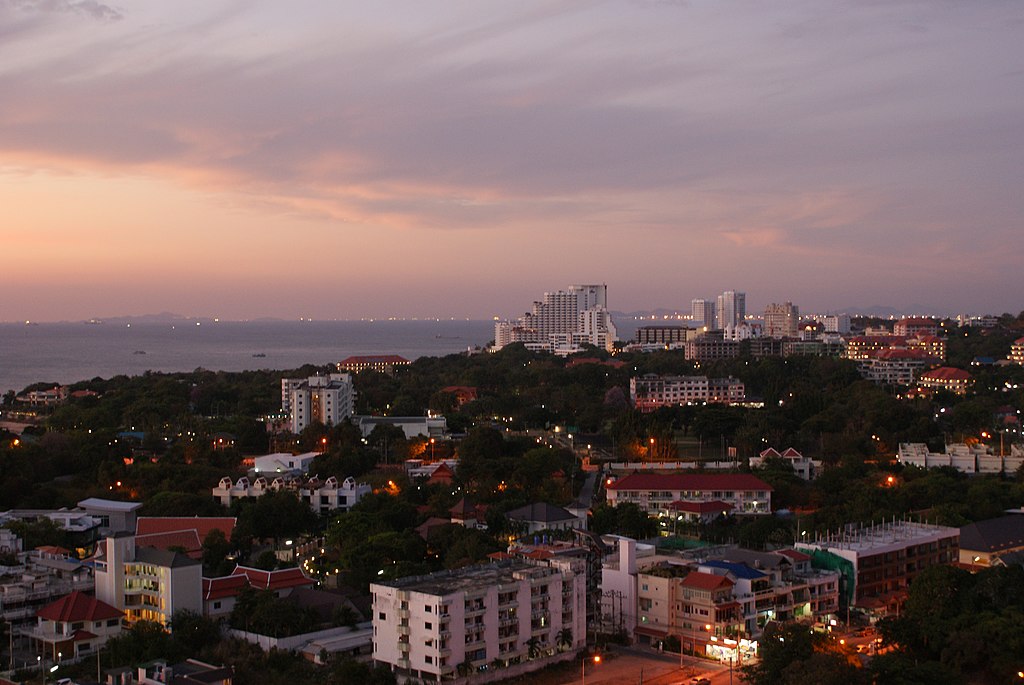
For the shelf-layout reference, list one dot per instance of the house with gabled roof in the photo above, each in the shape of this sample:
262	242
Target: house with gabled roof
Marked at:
75	625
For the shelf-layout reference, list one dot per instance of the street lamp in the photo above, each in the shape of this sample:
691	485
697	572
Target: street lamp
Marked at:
583	671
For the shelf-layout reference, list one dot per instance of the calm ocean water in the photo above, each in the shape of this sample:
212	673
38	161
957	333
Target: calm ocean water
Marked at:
70	352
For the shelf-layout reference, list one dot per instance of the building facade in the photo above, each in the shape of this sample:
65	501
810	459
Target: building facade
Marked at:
146	583
655	492
562	321
649	392
703	313
731	308
325	399
782	320
431	628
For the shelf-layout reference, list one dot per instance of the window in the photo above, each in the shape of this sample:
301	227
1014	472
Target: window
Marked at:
382	616
428	659
428	609
216	605
428	626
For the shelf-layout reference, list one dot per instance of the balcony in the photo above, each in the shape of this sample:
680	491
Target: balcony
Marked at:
403	613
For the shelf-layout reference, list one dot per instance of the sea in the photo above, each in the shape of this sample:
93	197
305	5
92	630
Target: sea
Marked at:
65	353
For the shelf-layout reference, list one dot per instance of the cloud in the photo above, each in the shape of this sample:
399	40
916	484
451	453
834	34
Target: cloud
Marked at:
87	8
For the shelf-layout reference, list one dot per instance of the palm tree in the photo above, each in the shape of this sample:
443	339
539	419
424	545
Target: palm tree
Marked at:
533	647
564	639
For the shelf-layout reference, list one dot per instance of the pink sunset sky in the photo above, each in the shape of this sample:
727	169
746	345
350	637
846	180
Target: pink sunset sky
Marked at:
342	160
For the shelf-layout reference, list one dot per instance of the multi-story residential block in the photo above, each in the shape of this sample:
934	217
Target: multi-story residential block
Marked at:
42	576
707	347
661	335
895	366
915	326
656	492
781	320
114	517
325	399
562	321
74	626
382	363
731	308
878	562
428	628
147	583
861	347
716	601
1017	351
703	313
837	323
322	496
931	345
649	392
954	380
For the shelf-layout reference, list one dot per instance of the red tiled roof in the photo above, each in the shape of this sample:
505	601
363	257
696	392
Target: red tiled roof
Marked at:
273	580
82	636
203	525
706	581
795	555
946	373
187	540
701	507
690	481
790	452
225	586
78	606
770	452
891	354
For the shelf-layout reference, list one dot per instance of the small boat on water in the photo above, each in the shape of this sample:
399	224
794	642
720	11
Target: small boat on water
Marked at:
139	352
259	354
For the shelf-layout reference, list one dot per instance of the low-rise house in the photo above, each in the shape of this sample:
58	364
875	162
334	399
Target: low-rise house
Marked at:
181	532
539	516
284	463
805	467
220	594
75	625
188	672
985	543
321	496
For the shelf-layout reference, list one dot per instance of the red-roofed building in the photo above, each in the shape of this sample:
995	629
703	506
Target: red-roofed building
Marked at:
442	475
896	366
180	532
461	393
656	493
75	625
946	378
705	512
383	363
1017	351
220	594
915	326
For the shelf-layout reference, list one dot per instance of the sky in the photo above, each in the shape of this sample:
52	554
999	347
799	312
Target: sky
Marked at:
335	159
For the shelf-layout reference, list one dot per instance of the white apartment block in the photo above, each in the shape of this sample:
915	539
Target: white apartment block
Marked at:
562	320
837	323
971	459
325	399
321	496
650	391
731	308
426	627
781	320
146	583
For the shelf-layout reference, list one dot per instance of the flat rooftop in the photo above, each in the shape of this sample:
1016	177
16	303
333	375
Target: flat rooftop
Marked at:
471	578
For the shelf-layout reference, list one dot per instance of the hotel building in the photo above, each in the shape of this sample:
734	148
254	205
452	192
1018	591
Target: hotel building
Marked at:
655	493
429	628
325	399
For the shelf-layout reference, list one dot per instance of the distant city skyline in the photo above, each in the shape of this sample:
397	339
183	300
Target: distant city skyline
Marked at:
352	160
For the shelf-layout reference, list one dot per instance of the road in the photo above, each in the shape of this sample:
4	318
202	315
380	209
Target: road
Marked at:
628	666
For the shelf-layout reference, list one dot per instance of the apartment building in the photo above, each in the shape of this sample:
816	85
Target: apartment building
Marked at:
147	583
781	320
915	326
879	561
430	628
710	347
650	391
956	381
731	308
655	493
895	366
381	363
562	321
716	601
321	495
325	399
703	313
970	459
1017	351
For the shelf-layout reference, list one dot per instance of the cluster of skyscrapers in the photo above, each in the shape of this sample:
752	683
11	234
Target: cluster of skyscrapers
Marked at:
728	309
562	322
